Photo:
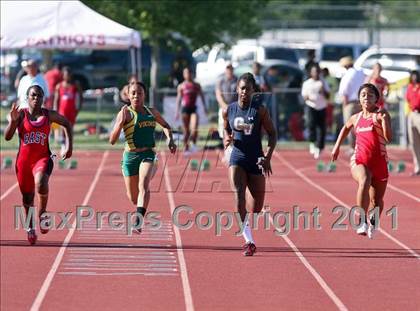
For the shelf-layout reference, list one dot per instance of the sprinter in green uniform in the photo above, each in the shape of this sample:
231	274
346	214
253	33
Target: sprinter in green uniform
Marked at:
139	159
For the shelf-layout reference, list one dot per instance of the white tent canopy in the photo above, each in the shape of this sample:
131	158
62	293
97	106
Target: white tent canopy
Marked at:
61	25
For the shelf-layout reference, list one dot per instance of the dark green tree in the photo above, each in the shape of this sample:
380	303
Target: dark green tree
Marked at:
200	22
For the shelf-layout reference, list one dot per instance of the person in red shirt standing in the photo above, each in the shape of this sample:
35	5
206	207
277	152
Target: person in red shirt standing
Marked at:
68	98
187	94
34	163
372	128
53	77
380	82
413	99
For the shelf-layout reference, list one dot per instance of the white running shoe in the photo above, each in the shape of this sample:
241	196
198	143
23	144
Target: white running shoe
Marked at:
371	231
317	153
363	229
311	148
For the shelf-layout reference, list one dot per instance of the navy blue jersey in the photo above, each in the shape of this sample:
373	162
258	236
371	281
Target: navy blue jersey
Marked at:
246	128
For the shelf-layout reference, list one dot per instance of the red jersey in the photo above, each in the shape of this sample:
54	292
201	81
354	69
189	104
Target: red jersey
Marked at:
53	77
380	84
370	141
190	92
33	137
413	96
67	102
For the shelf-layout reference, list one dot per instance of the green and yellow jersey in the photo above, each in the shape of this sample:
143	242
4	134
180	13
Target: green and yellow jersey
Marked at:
140	131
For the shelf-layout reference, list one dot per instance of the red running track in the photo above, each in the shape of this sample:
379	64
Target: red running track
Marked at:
195	269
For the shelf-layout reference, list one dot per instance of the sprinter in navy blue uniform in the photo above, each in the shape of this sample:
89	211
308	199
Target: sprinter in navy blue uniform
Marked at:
248	165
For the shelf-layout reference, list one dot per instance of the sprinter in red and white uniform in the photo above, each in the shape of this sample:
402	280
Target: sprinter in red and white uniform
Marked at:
187	94
369	162
33	162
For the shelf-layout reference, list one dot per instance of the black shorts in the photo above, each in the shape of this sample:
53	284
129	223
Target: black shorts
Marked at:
189	110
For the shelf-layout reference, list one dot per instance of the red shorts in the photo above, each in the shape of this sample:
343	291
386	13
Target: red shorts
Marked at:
377	166
27	169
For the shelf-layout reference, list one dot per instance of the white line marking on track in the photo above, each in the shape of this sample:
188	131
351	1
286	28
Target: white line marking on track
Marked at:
87	273
47	282
183	267
8	191
340	305
333	197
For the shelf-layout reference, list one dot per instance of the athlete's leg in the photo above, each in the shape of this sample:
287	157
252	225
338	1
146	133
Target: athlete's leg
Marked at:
145	175
41	189
239	181
194	127
363	177
132	187
186	128
377	193
256	186
28	202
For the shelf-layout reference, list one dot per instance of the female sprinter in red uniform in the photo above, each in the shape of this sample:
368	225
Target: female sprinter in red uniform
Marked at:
188	91
369	161
68	99
33	163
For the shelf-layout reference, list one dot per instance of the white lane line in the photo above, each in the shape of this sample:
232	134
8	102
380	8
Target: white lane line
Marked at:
87	273
8	191
122	269
47	282
337	200
122	260
120	256
340	305
403	192
183	267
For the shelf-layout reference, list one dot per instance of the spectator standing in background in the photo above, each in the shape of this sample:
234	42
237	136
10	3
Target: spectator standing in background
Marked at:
380	82
310	63
331	115
413	99
259	77
315	92
226	94
53	77
33	76
352	80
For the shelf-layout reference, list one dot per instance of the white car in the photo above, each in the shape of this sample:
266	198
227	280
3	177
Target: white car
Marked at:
331	53
396	65
251	50
396	62
210	65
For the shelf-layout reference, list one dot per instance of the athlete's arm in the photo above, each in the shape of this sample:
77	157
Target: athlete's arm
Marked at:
166	129
68	131
268	126
56	97
203	100
178	100
385	120
122	118
15	117
228	136
79	96
219	97
342	136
